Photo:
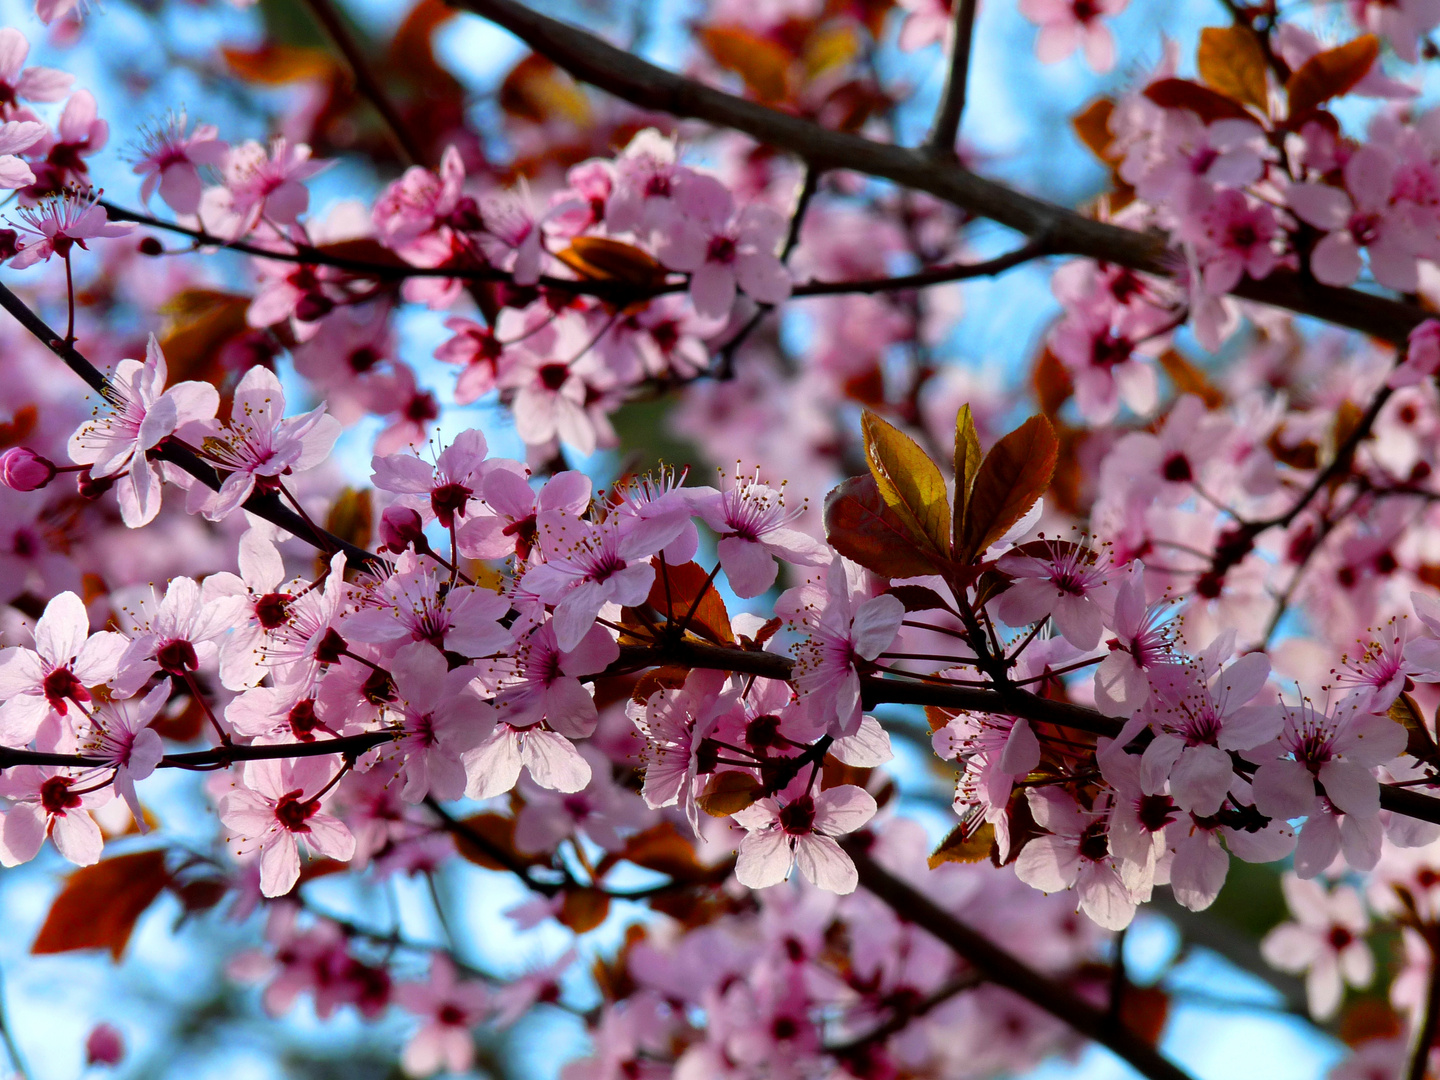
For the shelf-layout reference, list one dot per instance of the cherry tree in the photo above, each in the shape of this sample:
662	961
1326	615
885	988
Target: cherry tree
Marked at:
369	511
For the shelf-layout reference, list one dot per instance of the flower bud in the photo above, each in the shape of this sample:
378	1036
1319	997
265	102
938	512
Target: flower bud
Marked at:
400	527
21	469
92	487
105	1046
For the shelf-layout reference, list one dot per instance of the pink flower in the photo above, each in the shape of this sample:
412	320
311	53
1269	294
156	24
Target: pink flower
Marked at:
44	804
181	631
15	136
588	566
1361	219
260	185
62	223
927	22
270	811
1200	712
506	524
79	134
121	734
801	831
549	687
1068	583
115	444
449	1009
441	717
260	444
1235	237
172	161
675	723
1074	854
18	82
1422	356
1143	640
553	376
1340	751
414	204
443	492
66	660
846	629
549	757
477	350
1066	25
720	259
412	606
1326	941
752	521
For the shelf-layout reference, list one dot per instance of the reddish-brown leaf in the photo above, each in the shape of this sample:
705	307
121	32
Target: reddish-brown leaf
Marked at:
1201	100
685	582
909	482
100	905
1013	476
1231	62
601	259
729	792
762	65
861	527
957	847
663	849
499	831
1330	74
1092	124
583	909
276	64
538	91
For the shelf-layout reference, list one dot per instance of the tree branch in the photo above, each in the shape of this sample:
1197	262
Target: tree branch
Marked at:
643	84
946	127
267	506
333	22
1005	970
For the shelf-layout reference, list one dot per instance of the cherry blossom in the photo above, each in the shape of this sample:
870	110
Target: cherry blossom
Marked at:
1326	942
172	161
801	831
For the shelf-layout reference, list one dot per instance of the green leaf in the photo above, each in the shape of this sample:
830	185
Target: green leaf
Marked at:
909	482
1015	473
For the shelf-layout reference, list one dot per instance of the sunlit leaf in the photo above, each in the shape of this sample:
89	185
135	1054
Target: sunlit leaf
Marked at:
1330	74
861	527
1013	476
909	482
100	905
1231	62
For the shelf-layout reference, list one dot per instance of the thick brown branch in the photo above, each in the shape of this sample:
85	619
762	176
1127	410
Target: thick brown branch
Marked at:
647	86
1005	970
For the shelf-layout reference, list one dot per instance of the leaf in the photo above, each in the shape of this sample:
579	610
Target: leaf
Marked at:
967	464
1013	476
584	909
18	428
959	848
538	91
276	64
762	65
365	250
601	259
861	527
729	792
100	905
1143	1010
201	323
499	831
1421	744
1051	382
909	482
919	598
1189	379
1330	74
685	581
1201	100
669	677
351	516
1231	61
1092	124
663	849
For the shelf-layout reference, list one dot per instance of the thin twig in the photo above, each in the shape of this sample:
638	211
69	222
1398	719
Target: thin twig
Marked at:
946	127
337	29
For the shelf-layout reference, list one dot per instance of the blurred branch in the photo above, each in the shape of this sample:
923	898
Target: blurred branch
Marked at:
946	127
1005	970
643	84
17	1060
337	29
1425	1036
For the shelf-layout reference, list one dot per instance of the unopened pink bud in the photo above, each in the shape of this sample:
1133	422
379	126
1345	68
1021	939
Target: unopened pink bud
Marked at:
400	527
21	469
105	1046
